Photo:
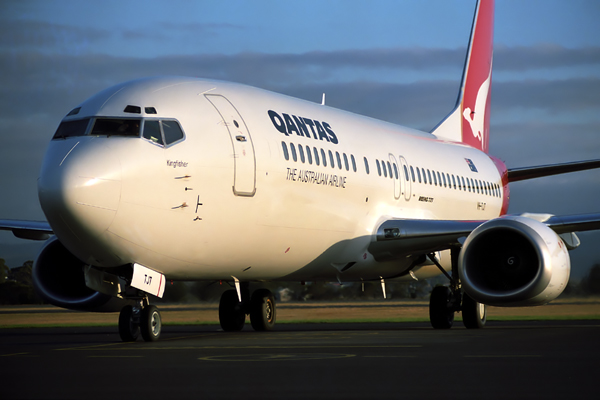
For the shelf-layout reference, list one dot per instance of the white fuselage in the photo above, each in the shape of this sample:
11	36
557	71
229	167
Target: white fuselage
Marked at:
225	201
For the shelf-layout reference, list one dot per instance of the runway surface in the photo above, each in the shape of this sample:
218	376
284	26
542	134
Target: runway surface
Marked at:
553	359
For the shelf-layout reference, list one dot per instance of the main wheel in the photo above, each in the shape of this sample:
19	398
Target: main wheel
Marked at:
441	314
474	314
231	312
262	310
150	323
128	328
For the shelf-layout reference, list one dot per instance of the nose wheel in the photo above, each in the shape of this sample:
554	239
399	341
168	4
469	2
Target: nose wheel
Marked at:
137	320
129	324
150	324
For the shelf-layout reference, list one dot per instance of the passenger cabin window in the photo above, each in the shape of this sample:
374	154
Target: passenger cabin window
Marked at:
378	167
366	165
346	162
301	151
283	145
331	162
71	128
324	157
294	155
353	162
317	161
308	155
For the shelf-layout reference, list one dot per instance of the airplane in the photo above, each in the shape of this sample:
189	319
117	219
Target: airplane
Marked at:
174	178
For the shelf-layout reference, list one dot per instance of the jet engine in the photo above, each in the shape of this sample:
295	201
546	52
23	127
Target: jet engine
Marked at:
514	261
58	276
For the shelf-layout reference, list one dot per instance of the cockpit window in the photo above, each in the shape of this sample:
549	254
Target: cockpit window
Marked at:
116	127
152	131
71	128
171	131
159	131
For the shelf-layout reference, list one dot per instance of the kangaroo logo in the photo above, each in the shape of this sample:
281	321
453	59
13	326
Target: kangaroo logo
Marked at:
476	117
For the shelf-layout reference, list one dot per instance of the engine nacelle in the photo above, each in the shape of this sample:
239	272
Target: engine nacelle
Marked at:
514	261
59	279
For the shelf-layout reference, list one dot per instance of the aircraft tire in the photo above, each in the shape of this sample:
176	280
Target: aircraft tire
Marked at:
231	312
150	323
474	314
128	329
441	315
262	310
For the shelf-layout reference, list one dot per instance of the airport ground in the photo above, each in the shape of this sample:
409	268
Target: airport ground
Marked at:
546	358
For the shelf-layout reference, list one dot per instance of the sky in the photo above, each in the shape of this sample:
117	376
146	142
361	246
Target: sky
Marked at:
396	60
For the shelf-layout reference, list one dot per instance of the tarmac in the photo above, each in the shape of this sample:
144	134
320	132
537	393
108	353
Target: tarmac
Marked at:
550	359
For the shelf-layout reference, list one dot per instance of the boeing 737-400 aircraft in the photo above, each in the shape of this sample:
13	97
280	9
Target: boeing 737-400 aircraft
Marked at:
175	178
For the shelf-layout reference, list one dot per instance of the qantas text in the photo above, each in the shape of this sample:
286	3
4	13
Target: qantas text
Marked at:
288	124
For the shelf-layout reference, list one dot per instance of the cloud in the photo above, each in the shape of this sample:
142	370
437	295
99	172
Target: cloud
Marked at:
543	56
45	37
554	96
33	78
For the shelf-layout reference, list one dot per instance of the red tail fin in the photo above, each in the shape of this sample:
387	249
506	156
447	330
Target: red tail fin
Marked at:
470	121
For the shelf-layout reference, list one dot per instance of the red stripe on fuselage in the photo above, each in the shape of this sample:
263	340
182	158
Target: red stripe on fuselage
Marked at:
505	190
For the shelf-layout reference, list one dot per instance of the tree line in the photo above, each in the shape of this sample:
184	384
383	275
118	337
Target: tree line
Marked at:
16	287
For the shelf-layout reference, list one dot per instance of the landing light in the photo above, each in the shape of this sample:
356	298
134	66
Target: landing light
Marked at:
391	233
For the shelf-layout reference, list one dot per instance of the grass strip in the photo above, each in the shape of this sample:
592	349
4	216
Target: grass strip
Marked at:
320	321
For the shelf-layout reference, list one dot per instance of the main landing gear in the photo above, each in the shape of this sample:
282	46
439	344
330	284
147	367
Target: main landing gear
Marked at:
445	301
260	307
142	318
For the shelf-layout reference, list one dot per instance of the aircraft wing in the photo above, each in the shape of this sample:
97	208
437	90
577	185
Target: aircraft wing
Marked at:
574	223
521	174
402	237
33	230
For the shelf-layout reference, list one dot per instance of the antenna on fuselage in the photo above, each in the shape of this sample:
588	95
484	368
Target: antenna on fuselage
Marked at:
323	100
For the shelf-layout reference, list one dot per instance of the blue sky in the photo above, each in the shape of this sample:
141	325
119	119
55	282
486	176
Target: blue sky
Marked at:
400	61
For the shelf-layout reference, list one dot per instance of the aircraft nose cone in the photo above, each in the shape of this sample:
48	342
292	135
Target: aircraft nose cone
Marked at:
79	189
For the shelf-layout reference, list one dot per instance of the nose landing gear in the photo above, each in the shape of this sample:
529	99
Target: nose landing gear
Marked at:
142	318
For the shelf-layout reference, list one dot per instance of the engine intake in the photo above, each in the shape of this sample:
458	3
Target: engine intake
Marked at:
514	261
59	278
